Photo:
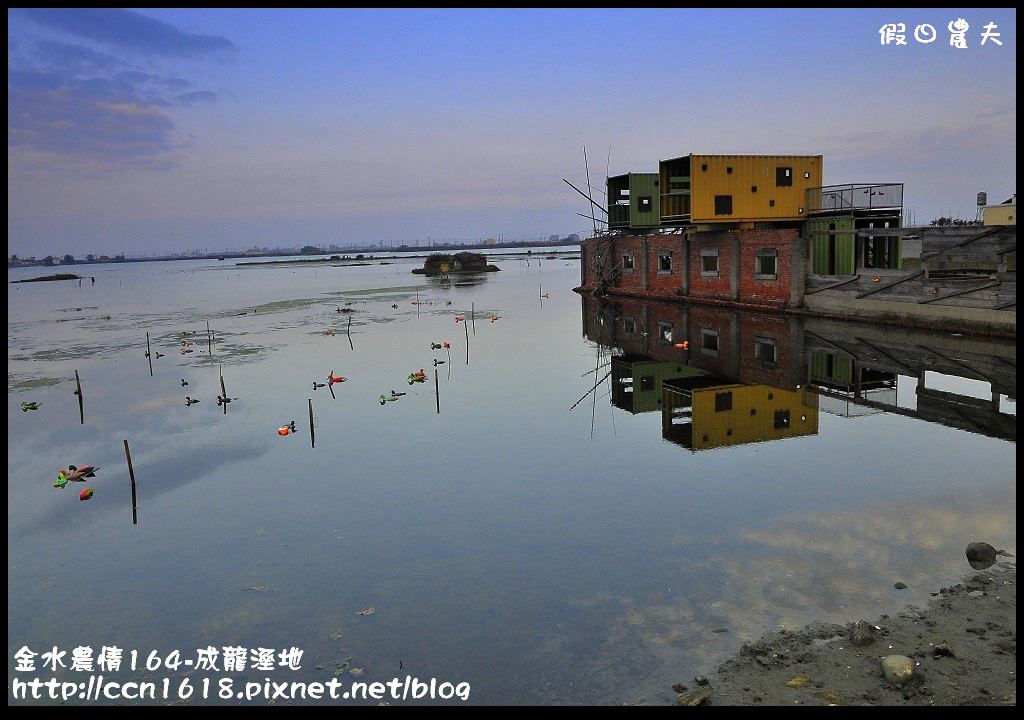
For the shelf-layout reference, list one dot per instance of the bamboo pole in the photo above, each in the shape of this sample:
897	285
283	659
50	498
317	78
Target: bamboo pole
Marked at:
131	474
312	439
78	392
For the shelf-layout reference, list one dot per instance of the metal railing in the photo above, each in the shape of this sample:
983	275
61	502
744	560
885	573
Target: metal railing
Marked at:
855	196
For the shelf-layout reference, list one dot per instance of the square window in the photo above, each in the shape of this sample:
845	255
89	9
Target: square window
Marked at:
665	263
807	175
765	351
753	188
771	203
728	170
627	261
781	419
783	176
629	325
766	265
704	167
709	340
709	263
665	331
723	401
723	204
644	204
647	382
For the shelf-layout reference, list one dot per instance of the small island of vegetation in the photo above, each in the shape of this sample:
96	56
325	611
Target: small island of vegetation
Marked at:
463	262
58	276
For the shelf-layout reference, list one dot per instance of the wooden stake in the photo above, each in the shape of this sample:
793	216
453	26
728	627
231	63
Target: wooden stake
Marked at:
209	338
437	392
149	354
312	440
131	474
467	342
224	392
472	315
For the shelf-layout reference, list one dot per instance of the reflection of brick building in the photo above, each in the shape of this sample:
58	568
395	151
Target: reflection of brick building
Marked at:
751	348
722	376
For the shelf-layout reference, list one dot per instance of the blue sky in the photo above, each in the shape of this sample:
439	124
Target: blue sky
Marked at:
160	130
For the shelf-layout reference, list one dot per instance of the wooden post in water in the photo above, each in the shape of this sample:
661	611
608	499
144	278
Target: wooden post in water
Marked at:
417	303
437	392
78	392
472	315
131	474
467	342
312	440
149	354
209	338
224	392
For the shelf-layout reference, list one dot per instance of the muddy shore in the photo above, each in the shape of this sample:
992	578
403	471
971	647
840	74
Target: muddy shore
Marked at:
959	650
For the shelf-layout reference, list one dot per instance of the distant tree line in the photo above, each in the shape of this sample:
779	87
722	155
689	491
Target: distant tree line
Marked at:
956	222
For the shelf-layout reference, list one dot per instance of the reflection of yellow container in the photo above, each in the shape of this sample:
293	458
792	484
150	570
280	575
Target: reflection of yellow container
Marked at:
444	267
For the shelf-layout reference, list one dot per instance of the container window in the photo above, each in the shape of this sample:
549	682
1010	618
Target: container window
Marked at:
783	176
723	204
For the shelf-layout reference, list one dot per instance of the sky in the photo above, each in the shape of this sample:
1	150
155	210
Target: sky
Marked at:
152	131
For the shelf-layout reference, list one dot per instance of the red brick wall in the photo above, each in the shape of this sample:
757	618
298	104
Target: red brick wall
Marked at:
767	292
630	280
712	287
667	283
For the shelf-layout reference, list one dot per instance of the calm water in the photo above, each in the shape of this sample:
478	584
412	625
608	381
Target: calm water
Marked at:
538	527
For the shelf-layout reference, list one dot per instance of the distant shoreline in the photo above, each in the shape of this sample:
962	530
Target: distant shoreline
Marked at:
313	257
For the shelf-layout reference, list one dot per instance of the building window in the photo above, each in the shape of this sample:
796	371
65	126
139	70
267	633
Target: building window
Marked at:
753	188
783	176
766	265
647	382
704	167
723	204
723	401
765	352
807	175
629	326
644	204
781	419
665	331
709	263
665	262
771	203
728	170
627	261
709	341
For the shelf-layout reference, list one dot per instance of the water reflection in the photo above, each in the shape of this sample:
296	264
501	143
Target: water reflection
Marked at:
724	377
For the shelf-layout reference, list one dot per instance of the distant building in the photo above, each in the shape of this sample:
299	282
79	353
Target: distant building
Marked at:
1005	213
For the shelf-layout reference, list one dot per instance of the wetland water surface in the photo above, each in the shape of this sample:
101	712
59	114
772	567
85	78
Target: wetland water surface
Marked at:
512	522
